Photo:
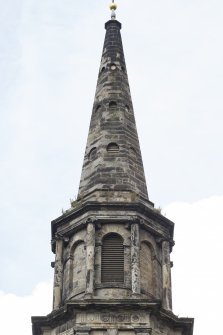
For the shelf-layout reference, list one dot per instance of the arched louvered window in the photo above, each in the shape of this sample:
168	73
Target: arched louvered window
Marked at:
112	261
112	148
112	104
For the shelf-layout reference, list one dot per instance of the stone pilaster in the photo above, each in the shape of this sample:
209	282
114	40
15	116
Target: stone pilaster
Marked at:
90	248
127	264
98	248
58	274
135	258
166	270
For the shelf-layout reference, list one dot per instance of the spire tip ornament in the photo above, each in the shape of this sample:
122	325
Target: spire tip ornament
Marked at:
113	8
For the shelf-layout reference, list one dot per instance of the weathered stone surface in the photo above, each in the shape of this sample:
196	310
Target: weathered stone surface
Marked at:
89	241
146	269
112	204
117	318
113	121
79	269
110	318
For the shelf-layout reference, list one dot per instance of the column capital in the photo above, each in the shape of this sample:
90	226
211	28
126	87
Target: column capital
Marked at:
91	219
60	237
135	220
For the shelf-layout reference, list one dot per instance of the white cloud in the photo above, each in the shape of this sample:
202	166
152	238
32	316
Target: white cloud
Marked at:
16	311
197	272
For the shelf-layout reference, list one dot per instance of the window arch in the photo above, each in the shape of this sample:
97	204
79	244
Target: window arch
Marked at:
97	109
112	260
113	66
126	108
112	104
112	147
92	154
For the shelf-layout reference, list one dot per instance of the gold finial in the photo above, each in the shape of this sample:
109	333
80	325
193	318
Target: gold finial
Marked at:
113	8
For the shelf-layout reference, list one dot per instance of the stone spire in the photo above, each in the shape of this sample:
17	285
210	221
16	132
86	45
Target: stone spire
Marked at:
112	269
112	160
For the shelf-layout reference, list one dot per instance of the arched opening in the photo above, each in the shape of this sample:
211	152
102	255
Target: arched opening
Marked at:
112	148
113	66
97	109
112	104
127	108
92	154
112	259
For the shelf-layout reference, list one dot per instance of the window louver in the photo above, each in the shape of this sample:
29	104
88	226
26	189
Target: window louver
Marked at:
113	147
112	267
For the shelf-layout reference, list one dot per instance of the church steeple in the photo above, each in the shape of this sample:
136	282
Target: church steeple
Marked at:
112	269
112	160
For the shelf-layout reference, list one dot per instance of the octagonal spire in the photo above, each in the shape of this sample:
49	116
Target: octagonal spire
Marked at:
112	158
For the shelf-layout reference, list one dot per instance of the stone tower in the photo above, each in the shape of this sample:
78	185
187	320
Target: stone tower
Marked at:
112	248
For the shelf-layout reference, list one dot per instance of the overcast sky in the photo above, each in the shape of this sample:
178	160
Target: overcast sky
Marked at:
49	59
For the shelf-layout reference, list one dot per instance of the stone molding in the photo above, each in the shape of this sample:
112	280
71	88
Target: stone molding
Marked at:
112	317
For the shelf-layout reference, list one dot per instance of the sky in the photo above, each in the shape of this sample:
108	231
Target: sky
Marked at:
49	59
